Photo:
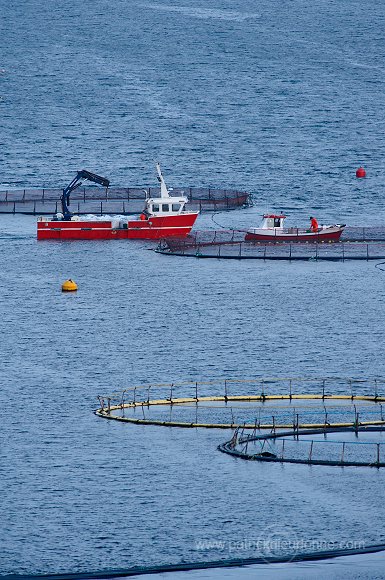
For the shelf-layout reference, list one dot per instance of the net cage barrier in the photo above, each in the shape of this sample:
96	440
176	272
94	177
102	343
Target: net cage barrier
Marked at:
233	246
257	403
334	446
125	200
134	192
223	236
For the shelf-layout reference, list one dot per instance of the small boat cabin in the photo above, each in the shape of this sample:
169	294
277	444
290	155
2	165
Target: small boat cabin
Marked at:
273	221
164	206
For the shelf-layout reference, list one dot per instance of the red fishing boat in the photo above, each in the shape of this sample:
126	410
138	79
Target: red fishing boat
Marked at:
273	230
162	217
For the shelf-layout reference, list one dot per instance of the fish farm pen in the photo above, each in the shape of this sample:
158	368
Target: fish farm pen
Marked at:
356	244
117	200
289	403
326	421
343	447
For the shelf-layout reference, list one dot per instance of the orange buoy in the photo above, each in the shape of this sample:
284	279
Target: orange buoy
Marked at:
69	286
360	172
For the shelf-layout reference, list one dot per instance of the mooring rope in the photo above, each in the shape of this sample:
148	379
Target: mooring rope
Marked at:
226	228
379	266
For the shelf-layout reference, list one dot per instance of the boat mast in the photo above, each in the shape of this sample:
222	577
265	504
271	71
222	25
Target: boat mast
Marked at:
163	187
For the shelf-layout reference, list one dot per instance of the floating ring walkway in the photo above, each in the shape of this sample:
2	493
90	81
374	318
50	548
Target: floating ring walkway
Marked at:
295	448
253	410
206	565
296	251
367	243
117	200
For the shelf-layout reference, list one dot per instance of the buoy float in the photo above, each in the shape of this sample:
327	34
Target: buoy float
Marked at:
360	172
69	286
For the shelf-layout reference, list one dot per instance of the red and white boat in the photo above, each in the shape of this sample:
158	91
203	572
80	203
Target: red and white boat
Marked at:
162	217
273	230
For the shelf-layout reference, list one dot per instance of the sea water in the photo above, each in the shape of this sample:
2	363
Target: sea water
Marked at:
283	99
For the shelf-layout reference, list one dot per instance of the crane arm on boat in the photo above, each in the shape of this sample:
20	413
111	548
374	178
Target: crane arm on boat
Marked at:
76	182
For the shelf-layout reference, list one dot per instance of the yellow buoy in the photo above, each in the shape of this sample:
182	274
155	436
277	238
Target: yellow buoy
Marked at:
69	286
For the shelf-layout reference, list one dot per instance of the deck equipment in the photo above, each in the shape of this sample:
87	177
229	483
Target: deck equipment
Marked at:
162	217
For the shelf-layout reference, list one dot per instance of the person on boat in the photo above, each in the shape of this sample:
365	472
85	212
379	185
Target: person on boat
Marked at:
313	224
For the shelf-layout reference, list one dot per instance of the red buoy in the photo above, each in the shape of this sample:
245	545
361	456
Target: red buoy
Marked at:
360	172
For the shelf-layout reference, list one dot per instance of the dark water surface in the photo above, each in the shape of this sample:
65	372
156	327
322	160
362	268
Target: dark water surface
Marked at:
82	492
284	99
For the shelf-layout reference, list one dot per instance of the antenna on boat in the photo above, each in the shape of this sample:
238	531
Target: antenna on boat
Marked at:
163	187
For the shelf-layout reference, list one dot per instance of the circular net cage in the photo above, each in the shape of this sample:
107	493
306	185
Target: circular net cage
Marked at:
358	446
250	404
231	244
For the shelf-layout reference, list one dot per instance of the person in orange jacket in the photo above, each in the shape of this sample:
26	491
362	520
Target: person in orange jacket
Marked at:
313	224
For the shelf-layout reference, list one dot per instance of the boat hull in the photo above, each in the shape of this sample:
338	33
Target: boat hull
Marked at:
331	234
154	228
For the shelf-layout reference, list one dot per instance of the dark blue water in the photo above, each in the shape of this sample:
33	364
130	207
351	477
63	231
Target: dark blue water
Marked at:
81	492
283	99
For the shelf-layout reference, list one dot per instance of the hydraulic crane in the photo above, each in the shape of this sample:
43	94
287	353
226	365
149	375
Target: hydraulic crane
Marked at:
77	182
